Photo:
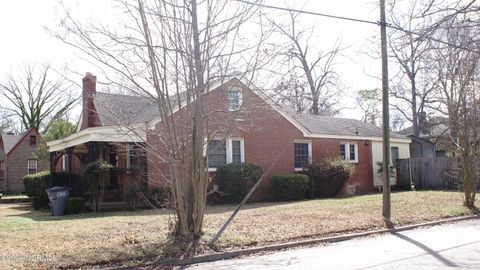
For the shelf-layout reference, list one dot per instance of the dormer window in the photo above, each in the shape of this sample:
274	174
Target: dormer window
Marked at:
235	99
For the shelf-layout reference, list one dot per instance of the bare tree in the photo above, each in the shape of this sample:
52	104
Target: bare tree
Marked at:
6	121
457	87
293	92
172	52
369	101
35	97
315	69
411	86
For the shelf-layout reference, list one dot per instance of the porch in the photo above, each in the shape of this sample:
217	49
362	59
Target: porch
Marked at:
121	148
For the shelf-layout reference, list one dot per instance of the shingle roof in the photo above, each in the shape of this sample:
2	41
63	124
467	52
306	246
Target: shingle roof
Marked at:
434	128
122	109
327	125
9	141
115	109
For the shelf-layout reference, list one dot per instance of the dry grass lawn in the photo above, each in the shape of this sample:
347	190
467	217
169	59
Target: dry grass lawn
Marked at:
88	239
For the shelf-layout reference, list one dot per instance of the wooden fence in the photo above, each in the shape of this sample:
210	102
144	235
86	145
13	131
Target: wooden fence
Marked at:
428	173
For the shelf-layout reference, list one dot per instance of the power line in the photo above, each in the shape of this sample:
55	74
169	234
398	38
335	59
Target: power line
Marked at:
310	13
360	21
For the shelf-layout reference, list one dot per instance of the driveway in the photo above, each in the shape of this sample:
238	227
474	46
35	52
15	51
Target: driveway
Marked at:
441	247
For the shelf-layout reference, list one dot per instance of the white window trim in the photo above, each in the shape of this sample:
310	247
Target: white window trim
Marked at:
230	109
28	166
347	152
229	152
309	142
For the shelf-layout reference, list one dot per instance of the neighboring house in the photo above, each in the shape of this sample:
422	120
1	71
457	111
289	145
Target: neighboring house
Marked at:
17	159
434	135
114	127
421	147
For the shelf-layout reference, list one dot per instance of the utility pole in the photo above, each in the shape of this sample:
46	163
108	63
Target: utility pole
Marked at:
385	122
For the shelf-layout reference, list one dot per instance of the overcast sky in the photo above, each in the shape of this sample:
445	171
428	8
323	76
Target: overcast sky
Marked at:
26	41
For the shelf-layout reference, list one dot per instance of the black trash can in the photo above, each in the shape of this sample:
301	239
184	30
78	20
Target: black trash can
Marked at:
58	197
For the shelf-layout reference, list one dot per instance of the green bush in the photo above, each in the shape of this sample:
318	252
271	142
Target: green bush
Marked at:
328	177
75	205
234	180
289	187
35	185
39	202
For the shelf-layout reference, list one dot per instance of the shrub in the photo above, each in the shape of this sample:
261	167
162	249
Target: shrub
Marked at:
234	180
35	185
39	202
289	187
97	175
159	197
75	205
328	177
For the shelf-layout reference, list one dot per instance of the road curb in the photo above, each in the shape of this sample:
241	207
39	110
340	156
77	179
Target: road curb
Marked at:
242	252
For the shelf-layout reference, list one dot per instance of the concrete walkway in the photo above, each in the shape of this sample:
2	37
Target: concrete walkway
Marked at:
441	247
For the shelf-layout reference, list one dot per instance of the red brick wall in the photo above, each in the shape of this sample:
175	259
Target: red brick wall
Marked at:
89	114
363	176
268	137
16	164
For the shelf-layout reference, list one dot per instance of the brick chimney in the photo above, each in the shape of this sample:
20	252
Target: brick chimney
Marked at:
89	114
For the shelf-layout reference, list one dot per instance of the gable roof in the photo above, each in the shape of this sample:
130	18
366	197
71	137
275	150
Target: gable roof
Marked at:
11	141
327	125
114	109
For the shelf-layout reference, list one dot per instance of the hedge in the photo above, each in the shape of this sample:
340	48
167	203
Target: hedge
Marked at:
234	180
289	187
35	185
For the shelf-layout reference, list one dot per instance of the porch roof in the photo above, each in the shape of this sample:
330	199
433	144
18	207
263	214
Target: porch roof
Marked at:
117	134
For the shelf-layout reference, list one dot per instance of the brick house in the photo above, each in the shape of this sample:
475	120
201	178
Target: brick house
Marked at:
17	159
249	126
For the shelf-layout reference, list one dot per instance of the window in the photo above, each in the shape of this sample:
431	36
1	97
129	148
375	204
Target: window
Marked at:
395	154
234	99
217	155
303	154
349	152
33	140
31	166
221	152
236	152
1	169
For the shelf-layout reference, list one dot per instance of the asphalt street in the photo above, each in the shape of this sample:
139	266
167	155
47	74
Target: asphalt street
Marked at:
455	245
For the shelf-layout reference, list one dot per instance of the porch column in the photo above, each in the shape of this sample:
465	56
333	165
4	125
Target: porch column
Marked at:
52	161
69	152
